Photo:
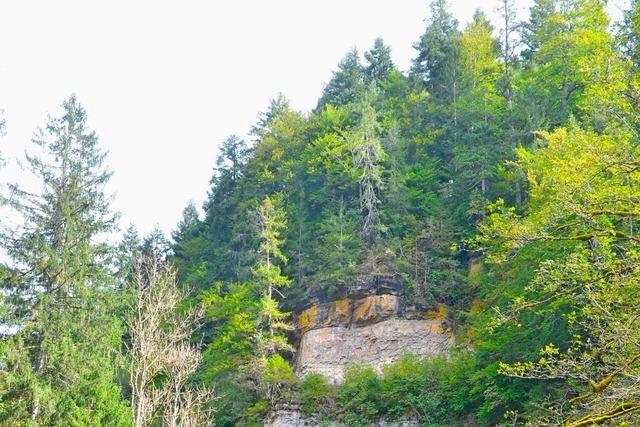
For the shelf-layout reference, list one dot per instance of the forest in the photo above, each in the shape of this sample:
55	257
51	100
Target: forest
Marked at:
499	176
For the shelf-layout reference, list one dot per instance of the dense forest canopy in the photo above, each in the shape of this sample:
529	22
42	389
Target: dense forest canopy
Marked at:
499	176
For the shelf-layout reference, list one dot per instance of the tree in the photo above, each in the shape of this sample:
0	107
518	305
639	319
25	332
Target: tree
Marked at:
60	363
507	52
630	33
479	144
213	240
128	251
582	211
155	244
379	64
345	83
161	358
435	66
540	16
368	154
575	70
271	221
188	225
339	249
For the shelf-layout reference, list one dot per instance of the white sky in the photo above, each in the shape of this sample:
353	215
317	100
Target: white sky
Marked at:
164	82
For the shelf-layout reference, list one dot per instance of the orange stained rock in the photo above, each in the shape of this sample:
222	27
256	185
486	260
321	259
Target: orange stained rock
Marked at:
339	311
375	307
308	318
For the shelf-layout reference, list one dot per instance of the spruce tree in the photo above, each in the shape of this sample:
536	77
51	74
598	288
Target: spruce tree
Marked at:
60	361
345	84
378	62
435	66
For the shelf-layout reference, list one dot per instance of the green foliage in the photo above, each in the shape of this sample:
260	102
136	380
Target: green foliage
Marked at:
359	395
316	395
278	370
393	174
436	391
60	364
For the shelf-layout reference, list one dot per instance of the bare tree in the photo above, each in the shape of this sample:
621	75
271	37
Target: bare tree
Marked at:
161	358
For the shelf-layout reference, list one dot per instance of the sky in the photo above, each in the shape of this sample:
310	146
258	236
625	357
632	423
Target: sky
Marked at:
164	82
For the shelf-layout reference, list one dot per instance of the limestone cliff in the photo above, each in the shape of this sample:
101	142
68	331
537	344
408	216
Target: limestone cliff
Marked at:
373	330
370	330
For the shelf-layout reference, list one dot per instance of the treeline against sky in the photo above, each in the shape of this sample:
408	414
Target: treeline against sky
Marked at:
498	176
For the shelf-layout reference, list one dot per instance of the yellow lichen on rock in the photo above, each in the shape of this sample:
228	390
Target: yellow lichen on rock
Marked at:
339	312
308	318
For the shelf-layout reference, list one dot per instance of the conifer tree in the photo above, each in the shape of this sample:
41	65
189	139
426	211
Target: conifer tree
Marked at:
378	62
345	84
368	155
479	145
435	66
271	338
60	362
188	225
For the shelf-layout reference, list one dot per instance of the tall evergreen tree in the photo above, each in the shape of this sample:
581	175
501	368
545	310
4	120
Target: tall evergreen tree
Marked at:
378	62
60	363
479	145
630	32
435	66
188	225
345	84
271	222
155	245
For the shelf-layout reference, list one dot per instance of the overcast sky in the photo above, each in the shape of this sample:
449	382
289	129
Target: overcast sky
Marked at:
164	82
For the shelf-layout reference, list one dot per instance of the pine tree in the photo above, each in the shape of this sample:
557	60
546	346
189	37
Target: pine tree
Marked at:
574	68
156	245
338	251
128	251
479	145
630	32
508	47
540	15
60	363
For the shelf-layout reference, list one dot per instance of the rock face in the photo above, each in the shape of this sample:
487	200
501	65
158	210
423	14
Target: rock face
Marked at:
286	415
370	330
373	331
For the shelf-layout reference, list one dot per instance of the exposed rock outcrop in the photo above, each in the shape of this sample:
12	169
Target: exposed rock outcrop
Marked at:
374	326
288	415
373	330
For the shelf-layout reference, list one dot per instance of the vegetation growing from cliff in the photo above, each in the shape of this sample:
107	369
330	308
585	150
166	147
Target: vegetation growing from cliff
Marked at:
498	176
435	391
